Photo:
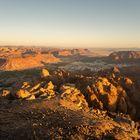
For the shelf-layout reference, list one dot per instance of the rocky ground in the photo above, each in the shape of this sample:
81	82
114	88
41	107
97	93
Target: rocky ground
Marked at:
70	105
84	97
47	119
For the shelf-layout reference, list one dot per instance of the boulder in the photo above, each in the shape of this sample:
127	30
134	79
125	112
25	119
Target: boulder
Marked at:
50	86
115	70
128	82
92	99
44	73
36	87
25	85
74	95
107	93
48	90
22	94
111	102
6	93
31	97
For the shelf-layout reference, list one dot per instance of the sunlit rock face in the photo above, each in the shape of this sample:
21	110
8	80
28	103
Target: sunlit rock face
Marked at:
22	94
114	93
70	93
27	62
44	73
110	91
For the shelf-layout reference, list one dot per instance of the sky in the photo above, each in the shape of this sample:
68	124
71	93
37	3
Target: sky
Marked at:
70	23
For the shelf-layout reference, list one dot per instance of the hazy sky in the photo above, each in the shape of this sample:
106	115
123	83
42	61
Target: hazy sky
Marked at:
70	23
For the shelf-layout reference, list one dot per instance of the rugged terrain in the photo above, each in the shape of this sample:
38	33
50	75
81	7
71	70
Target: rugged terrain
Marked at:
125	55
47	119
81	97
22	58
27	62
69	105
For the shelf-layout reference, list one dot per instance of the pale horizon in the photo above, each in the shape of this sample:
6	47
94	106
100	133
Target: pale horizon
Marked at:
61	23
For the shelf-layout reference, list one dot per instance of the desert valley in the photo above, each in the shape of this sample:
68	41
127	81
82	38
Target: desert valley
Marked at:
51	93
69	69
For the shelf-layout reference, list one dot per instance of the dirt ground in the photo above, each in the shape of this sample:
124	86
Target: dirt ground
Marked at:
47	119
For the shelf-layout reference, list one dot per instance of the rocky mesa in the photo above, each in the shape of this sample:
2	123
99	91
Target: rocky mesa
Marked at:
125	55
27	61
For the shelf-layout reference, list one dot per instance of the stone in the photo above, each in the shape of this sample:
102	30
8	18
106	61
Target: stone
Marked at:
6	93
92	99
115	70
48	90
111	102
36	87
128	81
44	73
50	86
106	93
25	85
74	95
32	97
22	94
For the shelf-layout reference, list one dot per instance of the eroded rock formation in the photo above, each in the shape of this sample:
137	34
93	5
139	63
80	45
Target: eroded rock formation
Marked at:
125	55
111	91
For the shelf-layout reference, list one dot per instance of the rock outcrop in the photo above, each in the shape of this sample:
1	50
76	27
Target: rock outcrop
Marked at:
22	94
44	73
125	55
115	94
108	91
28	62
70	93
